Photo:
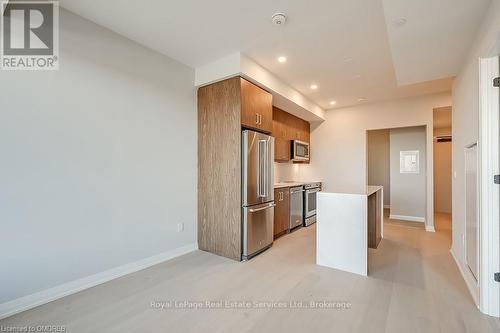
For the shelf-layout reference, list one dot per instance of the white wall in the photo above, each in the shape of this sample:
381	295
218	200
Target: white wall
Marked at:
465	118
98	161
408	190
338	145
379	169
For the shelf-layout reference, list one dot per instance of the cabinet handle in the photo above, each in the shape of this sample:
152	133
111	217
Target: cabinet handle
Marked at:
256	118
260	116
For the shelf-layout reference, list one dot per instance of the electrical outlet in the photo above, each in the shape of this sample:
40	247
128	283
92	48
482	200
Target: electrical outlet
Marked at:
180	227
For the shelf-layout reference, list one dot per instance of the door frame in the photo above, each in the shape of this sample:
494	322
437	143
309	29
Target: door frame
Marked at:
489	198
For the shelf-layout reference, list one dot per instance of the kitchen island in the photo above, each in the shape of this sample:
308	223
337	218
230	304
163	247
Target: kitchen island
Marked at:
348	223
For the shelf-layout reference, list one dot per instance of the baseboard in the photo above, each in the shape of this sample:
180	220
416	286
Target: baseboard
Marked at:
387	206
45	296
430	228
407	218
471	289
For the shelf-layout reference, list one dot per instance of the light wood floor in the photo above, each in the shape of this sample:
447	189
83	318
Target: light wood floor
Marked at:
414	286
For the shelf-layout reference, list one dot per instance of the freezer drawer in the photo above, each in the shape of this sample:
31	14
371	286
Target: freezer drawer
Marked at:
258	224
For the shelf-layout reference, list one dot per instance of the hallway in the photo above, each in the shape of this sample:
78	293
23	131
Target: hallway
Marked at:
427	289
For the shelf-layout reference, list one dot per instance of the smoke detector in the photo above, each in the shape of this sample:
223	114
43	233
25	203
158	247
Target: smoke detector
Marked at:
279	19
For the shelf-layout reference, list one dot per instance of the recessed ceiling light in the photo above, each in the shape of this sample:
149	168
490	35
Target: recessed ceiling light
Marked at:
314	86
362	99
398	23
281	59
347	60
333	102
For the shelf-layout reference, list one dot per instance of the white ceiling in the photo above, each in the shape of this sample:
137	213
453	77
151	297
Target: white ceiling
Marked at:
436	37
341	45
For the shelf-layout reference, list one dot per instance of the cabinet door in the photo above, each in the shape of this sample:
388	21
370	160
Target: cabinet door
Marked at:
277	211
256	107
285	221
306	131
279	123
281	150
281	198
282	143
294	127
266	114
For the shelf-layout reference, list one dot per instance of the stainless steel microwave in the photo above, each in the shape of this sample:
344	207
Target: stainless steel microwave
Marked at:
300	151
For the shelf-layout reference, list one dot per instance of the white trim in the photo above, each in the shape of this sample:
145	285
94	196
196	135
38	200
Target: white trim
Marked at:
407	218
42	297
470	286
489	230
430	228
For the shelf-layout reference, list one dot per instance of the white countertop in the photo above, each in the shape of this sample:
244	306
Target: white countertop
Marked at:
370	189
366	191
293	184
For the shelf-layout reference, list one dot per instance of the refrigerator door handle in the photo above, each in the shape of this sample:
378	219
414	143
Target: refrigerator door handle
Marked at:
262	208
262	190
266	168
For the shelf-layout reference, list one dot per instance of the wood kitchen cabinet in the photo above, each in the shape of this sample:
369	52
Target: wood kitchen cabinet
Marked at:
281	211
256	107
225	107
287	127
281	150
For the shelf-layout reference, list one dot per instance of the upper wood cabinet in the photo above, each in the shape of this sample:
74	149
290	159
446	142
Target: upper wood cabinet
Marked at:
281	150
287	127
256	107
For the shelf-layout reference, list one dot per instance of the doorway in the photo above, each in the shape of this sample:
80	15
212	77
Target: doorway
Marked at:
442	132
397	160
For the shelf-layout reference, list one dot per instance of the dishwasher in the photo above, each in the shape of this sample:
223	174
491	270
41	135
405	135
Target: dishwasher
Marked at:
296	206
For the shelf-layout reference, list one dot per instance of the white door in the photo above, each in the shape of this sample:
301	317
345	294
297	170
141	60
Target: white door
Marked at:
489	231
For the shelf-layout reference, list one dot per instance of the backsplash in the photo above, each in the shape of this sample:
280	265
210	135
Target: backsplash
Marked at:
291	171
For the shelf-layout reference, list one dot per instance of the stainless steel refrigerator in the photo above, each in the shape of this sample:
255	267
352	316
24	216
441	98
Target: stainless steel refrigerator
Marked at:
257	192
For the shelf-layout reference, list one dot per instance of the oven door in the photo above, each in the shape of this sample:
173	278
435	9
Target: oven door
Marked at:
310	202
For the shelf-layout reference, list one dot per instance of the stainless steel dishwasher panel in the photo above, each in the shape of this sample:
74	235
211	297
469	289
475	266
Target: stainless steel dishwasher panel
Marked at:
296	206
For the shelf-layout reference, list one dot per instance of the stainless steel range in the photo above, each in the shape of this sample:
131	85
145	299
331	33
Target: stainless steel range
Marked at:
311	189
